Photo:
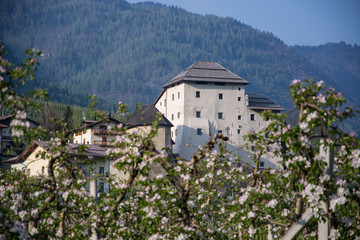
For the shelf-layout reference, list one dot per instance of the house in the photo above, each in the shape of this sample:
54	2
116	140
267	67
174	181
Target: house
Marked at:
31	163
143	118
206	99
7	147
96	132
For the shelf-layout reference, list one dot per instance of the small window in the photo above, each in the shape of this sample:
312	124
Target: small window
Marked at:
178	94
178	114
252	117
220	115
101	170
164	102
239	117
219	131
172	116
239	99
253	148
101	187
198	114
239	89
160	104
227	131
198	131
220	96
238	131
42	169
262	164
197	94
175	132
173	97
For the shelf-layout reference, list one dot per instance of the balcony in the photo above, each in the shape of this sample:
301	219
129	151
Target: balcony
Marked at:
104	143
104	132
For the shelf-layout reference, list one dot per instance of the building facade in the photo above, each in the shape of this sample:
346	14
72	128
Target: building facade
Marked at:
100	133
205	99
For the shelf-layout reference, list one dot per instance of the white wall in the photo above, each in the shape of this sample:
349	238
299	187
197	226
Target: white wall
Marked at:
209	105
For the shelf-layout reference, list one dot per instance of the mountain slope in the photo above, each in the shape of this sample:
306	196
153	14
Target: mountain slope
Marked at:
123	51
341	61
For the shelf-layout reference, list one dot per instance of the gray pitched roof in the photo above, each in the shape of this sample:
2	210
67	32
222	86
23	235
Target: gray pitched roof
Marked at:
71	148
146	116
260	102
206	72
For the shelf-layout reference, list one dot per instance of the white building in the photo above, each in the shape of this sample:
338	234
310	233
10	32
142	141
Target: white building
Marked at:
205	99
97	132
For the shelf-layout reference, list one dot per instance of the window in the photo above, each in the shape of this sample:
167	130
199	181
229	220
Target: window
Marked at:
28	172
219	131
178	94
175	132
173	97
262	164
227	131
101	187
220	115
239	88
178	114
239	117
220	84
164	102
253	148
239	99
42	169
197	94
198	114
172	116
220	96
238	131
101	170
160	104
172	134
252	117
198	131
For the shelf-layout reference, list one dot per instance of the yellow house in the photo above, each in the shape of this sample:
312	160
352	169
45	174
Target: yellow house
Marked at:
34	161
141	121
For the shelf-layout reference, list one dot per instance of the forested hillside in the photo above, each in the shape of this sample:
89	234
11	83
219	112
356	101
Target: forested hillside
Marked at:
126	52
341	61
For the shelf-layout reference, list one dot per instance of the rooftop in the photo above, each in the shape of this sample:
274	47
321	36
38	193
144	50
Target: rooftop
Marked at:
206	72
260	102
145	116
72	148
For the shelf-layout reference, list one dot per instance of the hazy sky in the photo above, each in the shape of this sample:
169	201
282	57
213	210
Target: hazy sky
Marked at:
303	22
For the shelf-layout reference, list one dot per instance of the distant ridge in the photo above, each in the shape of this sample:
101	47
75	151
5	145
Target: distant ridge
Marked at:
127	52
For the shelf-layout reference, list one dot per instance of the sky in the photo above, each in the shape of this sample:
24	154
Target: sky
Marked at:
296	22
